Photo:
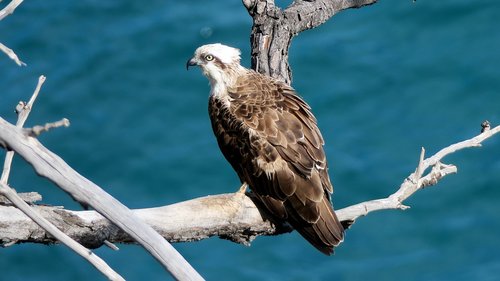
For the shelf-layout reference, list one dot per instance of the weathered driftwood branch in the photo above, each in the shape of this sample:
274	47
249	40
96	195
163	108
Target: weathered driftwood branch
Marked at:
273	29
23	110
55	169
52	230
229	216
52	167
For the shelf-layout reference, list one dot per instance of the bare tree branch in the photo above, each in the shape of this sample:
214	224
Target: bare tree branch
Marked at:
230	216
304	15
23	111
37	130
92	258
9	9
52	167
9	52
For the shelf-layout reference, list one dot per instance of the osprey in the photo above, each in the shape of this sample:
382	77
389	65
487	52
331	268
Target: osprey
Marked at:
271	139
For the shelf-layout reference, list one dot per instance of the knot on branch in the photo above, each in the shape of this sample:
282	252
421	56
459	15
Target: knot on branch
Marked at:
21	106
439	170
485	126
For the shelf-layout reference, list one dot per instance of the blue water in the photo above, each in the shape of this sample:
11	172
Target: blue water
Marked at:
383	81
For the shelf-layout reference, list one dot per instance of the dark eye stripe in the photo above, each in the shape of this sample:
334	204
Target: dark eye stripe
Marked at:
217	62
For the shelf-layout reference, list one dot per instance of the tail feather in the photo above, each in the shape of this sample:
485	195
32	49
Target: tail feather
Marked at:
326	233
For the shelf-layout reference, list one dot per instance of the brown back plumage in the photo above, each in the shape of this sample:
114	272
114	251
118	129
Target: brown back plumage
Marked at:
270	137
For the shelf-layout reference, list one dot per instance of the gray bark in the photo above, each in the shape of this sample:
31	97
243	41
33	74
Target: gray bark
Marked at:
274	28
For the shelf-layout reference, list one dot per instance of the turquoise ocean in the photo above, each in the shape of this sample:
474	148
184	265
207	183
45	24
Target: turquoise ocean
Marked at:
383	81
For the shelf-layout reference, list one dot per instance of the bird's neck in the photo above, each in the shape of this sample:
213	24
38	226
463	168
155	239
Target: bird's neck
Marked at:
221	81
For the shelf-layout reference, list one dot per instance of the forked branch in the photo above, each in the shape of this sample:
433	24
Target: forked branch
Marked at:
230	216
274	28
49	165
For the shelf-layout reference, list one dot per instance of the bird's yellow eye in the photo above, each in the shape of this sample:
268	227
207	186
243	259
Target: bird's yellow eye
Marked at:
209	57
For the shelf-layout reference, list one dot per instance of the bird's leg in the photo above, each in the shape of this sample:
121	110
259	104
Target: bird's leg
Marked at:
243	188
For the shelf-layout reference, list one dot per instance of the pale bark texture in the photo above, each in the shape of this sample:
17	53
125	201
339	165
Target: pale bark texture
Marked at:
230	216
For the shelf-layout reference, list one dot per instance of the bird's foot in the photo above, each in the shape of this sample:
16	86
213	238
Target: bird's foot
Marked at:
242	189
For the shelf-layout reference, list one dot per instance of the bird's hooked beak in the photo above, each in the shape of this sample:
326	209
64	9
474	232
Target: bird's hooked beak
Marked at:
191	62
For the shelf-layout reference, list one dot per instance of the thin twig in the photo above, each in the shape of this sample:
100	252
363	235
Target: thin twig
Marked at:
37	130
10	243
10	53
410	186
49	165
9	9
111	245
23	111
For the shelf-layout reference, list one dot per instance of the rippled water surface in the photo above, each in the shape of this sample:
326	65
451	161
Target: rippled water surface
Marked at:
383	81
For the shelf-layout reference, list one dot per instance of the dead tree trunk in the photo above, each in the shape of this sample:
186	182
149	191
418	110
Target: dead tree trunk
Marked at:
274	28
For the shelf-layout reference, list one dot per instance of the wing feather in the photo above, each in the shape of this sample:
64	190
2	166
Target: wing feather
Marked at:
274	144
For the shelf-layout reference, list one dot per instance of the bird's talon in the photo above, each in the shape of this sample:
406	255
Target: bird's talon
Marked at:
243	188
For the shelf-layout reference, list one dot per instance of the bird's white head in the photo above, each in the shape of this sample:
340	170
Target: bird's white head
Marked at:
220	63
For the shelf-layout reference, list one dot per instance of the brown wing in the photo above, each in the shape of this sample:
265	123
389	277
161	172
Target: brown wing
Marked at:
271	139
